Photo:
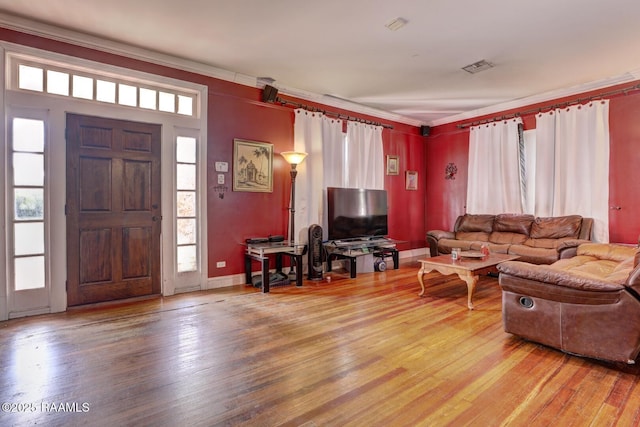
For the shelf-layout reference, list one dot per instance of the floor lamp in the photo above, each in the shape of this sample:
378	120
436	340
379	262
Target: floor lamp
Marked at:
294	158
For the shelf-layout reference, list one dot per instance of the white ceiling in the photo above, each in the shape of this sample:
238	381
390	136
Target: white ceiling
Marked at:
341	48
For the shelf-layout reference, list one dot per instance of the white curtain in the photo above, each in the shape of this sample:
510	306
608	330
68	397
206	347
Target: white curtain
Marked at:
322	139
545	135
572	164
364	156
493	185
335	159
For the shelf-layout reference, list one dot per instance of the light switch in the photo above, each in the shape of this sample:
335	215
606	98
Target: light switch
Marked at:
220	179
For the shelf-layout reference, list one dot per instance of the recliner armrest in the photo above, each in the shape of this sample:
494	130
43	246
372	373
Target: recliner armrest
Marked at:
569	248
432	240
441	234
555	276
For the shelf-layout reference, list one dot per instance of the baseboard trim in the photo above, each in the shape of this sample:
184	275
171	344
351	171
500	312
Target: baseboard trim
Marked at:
239	279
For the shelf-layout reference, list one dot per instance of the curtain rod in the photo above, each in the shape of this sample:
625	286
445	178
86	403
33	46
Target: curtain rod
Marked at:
549	107
331	113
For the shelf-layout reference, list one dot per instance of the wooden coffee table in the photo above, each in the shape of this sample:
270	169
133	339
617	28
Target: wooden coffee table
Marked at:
468	269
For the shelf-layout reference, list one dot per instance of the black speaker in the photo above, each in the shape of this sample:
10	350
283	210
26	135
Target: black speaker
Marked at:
425	130
269	94
315	252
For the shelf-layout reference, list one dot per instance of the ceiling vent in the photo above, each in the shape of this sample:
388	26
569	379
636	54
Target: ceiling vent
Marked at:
476	67
396	24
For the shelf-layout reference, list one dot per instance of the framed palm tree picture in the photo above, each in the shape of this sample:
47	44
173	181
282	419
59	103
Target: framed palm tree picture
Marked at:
252	166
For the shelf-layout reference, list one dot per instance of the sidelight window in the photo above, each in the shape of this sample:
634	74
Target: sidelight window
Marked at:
28	190
186	203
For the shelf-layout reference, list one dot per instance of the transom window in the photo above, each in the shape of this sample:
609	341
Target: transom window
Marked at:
53	80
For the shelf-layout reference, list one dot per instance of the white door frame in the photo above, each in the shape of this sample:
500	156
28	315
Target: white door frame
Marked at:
57	107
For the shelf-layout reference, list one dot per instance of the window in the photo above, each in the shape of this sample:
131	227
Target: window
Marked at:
186	203
54	80
30	78
28	190
127	95
82	87
57	83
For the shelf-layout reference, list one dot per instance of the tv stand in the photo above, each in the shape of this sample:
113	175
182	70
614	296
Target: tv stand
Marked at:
352	249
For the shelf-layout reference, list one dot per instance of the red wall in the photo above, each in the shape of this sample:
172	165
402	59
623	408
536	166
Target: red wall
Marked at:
239	215
235	111
445	199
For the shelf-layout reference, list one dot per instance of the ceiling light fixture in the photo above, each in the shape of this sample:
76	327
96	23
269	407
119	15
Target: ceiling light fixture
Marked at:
476	67
396	24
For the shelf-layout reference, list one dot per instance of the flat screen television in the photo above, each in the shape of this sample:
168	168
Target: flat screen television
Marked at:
356	213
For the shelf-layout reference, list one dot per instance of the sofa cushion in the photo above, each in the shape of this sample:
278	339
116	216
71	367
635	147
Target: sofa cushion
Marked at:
504	237
472	236
548	243
590	265
535	255
483	223
556	227
445	245
618	253
498	248
520	224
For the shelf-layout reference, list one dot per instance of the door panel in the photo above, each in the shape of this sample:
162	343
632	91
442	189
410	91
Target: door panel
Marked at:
135	241
95	185
136	186
113	207
95	245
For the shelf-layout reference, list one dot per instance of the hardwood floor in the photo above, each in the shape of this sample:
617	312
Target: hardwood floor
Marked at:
340	352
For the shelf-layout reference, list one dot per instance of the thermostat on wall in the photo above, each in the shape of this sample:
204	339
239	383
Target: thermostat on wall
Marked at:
222	167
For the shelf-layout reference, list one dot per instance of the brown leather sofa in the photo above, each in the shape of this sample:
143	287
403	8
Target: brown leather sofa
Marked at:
588	305
534	239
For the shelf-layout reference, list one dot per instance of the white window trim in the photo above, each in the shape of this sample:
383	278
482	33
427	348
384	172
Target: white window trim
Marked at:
58	106
41	295
188	281
21	55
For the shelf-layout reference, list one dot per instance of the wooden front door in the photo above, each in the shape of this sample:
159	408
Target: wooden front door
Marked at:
113	209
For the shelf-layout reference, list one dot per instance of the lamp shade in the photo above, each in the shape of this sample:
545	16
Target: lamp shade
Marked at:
293	157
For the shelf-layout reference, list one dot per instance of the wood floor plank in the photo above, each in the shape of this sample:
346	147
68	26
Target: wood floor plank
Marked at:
344	352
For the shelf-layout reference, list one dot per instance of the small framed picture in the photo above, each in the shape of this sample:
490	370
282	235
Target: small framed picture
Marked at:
411	180
393	166
252	166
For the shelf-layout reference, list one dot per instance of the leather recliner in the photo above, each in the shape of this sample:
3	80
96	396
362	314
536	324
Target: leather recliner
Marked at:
588	305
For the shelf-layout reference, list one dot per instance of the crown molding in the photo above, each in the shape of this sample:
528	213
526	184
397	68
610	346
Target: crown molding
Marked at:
345	104
108	46
540	98
52	32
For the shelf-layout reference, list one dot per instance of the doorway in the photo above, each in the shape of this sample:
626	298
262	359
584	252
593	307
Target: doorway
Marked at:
113	210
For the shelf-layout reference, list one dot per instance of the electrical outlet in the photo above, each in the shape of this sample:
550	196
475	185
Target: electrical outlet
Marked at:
221	264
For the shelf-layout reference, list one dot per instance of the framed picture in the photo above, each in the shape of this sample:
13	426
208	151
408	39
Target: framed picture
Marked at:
393	166
411	180
252	166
